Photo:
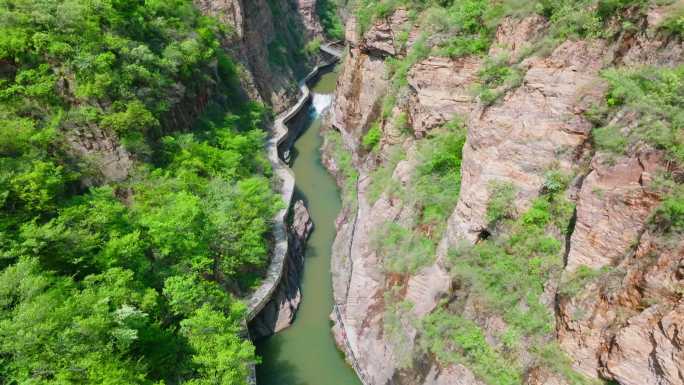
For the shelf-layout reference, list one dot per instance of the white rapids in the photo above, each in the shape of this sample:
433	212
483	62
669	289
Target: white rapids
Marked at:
320	102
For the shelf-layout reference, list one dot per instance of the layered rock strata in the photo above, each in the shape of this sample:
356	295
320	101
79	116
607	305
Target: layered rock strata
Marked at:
624	327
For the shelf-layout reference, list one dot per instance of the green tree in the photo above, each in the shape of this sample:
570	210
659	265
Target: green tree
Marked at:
221	357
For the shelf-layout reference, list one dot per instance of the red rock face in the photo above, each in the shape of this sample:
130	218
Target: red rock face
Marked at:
625	325
441	91
307	11
613	206
358	97
535	127
380	38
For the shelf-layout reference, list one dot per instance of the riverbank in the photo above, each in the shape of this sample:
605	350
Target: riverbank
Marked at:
286	184
305	353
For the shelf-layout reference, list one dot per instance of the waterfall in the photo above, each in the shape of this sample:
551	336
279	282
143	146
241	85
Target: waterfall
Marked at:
320	102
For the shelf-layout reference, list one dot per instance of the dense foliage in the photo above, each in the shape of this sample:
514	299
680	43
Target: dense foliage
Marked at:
328	13
125	280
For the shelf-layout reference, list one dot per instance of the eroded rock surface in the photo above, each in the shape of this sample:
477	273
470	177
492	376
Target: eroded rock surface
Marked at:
380	39
441	91
361	86
112	160
625	324
279	313
536	127
612	209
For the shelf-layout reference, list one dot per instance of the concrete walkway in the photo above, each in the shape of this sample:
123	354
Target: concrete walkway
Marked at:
286	182
334	48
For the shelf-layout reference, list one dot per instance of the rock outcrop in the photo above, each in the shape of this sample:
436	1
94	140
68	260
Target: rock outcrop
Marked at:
536	127
625	323
442	91
307	12
279	313
360	87
112	160
612	208
253	28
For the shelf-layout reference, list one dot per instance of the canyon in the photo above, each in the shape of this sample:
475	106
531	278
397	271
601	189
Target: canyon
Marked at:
625	327
622	322
342	192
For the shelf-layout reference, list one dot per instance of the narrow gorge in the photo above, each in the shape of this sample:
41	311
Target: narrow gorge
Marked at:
342	192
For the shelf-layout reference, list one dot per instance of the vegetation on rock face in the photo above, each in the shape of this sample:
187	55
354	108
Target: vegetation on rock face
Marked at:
343	162
432	194
651	96
127	281
454	339
371	140
505	277
328	14
510	276
461	28
643	109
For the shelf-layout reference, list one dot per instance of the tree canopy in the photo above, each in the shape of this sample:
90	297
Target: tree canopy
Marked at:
133	279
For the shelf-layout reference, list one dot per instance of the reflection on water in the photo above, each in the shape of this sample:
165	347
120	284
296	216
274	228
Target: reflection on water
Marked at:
305	353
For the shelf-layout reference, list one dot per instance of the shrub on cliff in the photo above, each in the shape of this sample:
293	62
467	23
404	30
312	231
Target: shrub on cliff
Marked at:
371	140
504	276
655	98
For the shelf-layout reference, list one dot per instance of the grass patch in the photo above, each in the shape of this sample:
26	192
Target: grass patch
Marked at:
432	191
656	96
497	77
343	158
371	141
381	178
501	198
506	274
580	279
456	340
437	181
402	250
669	216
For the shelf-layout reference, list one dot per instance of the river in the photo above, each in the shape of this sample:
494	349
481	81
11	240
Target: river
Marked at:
305	353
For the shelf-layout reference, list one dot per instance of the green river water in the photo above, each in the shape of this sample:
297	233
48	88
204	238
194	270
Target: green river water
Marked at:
305	353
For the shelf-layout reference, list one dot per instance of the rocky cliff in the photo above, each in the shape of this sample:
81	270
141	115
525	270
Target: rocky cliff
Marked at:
268	39
537	191
279	313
